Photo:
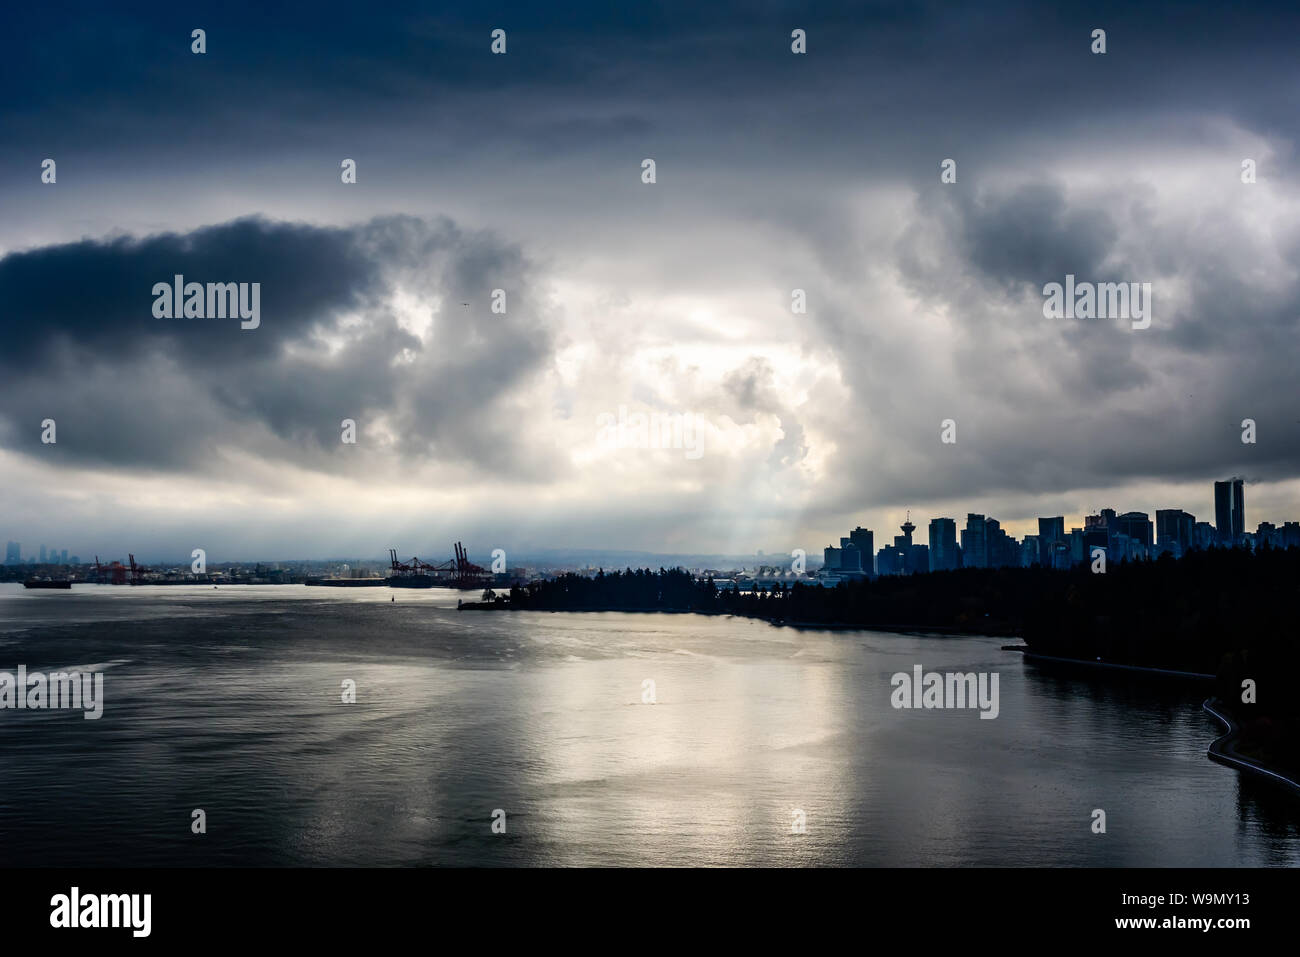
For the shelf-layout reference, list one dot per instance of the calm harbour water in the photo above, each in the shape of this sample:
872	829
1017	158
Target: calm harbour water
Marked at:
229	700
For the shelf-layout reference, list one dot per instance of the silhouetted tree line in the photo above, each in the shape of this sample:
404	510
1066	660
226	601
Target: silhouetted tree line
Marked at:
669	589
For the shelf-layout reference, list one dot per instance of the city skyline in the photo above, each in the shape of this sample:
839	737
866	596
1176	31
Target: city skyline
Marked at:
1162	524
983	543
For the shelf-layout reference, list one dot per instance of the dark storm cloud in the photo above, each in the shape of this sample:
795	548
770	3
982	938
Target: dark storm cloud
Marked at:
1032	235
884	78
97	296
79	343
1057	404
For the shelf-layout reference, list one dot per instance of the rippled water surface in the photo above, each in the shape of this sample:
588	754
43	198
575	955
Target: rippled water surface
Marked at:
229	700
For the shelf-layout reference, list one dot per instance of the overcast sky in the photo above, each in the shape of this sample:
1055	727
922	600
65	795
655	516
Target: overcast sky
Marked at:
523	172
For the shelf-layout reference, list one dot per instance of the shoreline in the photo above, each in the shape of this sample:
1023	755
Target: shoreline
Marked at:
1223	750
1109	664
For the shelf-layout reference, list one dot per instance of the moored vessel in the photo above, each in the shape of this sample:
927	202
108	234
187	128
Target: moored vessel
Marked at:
61	583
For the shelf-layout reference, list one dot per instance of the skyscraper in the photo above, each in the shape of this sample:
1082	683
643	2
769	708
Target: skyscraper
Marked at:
1136	526
1078	542
1174	528
850	558
1001	549
13	554
1230	511
864	538
974	542
1050	530
917	561
943	544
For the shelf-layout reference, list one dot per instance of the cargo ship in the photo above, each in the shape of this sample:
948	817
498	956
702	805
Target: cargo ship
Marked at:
411	581
62	583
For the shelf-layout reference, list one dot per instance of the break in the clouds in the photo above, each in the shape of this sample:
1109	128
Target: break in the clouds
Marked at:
523	173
